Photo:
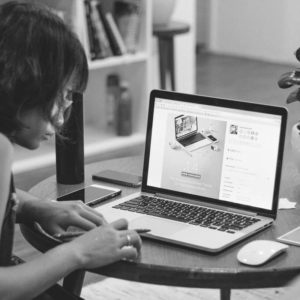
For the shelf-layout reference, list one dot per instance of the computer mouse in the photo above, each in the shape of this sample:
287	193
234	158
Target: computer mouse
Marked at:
259	252
174	145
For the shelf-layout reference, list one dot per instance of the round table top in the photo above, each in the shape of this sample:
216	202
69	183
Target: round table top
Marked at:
168	264
170	29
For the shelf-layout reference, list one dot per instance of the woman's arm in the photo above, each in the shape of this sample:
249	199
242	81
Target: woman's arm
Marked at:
6	157
98	247
28	280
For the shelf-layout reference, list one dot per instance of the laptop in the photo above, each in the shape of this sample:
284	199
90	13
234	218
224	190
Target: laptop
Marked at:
187	134
221	194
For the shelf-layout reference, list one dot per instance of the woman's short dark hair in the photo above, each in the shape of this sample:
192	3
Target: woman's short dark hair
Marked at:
38	55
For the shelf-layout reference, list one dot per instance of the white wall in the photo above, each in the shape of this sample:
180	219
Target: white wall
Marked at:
261	29
185	56
202	21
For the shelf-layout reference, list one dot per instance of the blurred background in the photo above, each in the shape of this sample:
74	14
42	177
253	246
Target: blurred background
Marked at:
228	49
231	49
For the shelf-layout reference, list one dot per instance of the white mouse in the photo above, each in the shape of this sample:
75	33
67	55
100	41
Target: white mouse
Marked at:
259	252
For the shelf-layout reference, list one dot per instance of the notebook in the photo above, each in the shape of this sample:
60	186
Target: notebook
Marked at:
217	195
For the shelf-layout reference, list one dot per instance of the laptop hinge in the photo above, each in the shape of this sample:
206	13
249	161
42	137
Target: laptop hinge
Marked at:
215	206
240	211
170	197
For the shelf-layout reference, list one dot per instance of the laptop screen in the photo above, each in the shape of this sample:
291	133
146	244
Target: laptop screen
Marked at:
185	125
240	162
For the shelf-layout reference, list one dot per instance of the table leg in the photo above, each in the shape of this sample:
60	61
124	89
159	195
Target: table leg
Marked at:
166	62
73	282
171	63
225	294
163	61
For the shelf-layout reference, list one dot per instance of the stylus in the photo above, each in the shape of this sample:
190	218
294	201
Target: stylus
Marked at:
73	234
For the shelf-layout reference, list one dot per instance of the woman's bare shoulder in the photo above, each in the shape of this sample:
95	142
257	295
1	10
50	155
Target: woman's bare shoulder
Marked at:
6	148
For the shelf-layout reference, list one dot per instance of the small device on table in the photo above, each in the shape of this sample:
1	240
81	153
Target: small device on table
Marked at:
292	237
92	194
117	177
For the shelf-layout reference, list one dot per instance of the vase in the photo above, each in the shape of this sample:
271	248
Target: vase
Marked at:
70	145
162	11
295	143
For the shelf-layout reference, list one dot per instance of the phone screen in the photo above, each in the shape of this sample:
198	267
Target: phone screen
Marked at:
93	193
211	137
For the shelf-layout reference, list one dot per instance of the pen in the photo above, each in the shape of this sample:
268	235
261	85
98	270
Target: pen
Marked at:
73	234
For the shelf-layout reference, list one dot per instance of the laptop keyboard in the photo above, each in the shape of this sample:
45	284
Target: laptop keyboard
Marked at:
192	139
187	213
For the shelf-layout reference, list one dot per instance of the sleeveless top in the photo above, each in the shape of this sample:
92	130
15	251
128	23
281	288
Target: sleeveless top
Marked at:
8	227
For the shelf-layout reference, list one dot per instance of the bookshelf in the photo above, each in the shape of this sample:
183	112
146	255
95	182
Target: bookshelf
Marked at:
132	67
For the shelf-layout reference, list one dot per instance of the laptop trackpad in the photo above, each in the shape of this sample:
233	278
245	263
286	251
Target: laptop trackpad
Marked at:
158	226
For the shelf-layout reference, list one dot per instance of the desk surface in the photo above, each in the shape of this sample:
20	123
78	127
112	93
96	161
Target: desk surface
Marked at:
163	263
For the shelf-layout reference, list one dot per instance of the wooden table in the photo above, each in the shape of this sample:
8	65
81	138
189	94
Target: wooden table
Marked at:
161	263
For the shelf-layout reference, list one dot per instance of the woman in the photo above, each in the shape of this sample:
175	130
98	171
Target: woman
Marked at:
41	63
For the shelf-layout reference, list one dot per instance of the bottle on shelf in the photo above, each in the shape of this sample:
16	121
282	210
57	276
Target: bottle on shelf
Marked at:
112	96
123	112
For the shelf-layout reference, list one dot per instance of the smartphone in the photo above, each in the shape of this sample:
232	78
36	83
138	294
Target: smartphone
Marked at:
292	237
122	178
92	194
212	138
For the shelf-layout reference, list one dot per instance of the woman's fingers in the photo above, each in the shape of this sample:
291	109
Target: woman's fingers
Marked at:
91	215
93	211
81	214
83	224
130	238
55	229
129	253
120	224
109	243
130	244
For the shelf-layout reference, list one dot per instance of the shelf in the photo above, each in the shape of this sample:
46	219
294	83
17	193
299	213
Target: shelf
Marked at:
96	143
134	68
118	60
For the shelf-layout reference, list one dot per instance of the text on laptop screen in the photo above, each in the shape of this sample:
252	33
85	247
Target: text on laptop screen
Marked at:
234	160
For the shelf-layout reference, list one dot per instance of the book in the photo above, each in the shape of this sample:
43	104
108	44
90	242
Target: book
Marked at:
127	16
115	33
116	49
100	31
90	32
94	43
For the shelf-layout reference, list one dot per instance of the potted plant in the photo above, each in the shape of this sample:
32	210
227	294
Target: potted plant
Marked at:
288	80
162	11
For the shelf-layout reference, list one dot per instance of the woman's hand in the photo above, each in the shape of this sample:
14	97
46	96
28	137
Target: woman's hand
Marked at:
56	217
106	244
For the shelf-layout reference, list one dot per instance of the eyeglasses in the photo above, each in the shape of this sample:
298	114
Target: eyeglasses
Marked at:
65	100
